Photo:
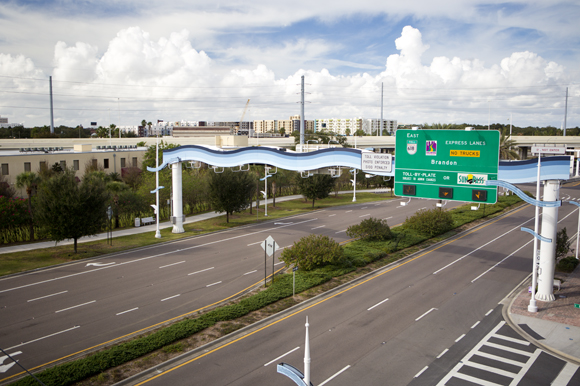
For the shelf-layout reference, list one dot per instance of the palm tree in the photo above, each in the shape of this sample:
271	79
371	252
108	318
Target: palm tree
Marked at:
505	147
28	180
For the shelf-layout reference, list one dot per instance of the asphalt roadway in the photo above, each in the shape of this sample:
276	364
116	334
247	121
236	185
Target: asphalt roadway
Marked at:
392	325
56	314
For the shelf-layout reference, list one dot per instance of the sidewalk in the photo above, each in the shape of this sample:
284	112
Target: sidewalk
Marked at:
145	228
556	325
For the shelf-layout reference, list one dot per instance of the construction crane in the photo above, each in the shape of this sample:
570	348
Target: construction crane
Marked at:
243	114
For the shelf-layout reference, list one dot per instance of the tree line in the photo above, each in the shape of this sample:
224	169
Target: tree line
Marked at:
58	205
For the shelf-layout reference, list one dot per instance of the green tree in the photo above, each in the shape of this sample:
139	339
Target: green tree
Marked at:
68	209
505	147
313	251
5	189
230	192
30	181
315	187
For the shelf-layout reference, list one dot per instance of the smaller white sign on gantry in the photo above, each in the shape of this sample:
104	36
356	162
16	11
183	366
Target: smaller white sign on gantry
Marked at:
377	162
537	149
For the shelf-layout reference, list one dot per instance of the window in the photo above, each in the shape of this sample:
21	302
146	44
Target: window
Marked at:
42	165
76	164
27	167
134	160
106	163
122	162
63	165
4	169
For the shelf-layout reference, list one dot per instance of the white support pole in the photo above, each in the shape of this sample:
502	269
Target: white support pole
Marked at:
548	250
266	192
177	198
157	233
307	359
533	307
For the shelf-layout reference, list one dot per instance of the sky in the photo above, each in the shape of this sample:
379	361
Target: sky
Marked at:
454	61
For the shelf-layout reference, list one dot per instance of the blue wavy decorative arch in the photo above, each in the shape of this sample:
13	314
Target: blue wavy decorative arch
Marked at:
515	172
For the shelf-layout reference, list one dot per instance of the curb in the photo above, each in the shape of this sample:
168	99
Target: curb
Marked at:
506	313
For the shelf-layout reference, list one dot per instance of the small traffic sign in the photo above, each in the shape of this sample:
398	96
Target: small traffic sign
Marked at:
270	246
295	269
576	305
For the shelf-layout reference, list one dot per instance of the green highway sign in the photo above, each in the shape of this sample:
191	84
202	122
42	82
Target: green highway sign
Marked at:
447	164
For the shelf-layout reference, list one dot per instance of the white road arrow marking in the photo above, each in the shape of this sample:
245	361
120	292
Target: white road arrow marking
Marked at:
99	264
5	368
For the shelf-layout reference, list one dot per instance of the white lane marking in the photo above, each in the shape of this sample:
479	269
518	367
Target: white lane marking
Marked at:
47	296
421	372
209	285
565	375
5	367
364	207
477	249
458	339
148	257
203	270
378	304
422	208
70	308
489	312
169	265
247	273
334	376
330	215
502	260
283	223
281	356
348	211
344	230
364	215
124	312
44	337
507	348
499	359
322	226
279	263
388	218
442	353
99	264
425	314
257	242
475	325
171	297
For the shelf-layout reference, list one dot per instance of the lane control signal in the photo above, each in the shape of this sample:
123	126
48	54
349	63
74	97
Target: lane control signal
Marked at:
446	193
409	190
479	195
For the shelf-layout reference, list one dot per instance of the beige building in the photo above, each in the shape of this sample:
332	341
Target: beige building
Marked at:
113	160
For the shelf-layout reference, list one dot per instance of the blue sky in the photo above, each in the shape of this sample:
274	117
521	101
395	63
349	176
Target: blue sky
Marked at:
439	61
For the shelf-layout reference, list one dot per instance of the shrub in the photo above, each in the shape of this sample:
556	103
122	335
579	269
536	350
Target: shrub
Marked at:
313	251
562	243
430	222
370	229
567	264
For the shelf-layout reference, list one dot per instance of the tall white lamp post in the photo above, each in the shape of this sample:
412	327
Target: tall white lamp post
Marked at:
157	233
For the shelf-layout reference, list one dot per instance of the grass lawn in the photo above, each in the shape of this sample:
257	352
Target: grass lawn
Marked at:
11	263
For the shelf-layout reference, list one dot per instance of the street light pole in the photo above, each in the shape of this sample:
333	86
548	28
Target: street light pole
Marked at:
157	233
533	307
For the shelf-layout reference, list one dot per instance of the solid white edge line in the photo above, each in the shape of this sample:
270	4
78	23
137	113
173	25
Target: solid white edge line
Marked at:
281	356
341	231
421	372
169	265
416	320
442	353
501	261
70	308
124	312
378	304
334	376
258	242
47	296
247	273
203	270
209	285
171	297
44	337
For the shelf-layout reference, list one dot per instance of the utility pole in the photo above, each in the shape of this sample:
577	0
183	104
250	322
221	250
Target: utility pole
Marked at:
565	111
51	110
381	125
302	120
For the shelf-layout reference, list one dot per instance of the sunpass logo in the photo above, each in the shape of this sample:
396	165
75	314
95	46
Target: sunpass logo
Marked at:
471	179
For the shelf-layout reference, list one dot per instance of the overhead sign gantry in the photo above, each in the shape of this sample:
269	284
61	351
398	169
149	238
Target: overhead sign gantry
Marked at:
447	164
